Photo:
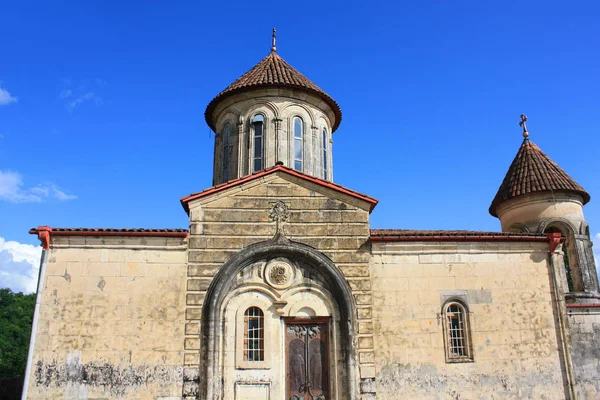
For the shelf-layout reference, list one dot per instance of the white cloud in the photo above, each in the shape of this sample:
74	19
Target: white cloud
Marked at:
13	190
19	266
6	98
65	93
71	105
76	93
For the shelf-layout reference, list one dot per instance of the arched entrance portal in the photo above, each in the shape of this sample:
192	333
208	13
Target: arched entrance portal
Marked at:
278	322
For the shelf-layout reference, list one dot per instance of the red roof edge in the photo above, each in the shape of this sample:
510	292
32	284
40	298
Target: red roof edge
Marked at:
392	235
464	238
215	189
44	233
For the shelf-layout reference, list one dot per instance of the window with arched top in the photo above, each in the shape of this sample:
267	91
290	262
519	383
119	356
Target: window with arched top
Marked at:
258	127
254	335
457	335
298	143
226	149
324	149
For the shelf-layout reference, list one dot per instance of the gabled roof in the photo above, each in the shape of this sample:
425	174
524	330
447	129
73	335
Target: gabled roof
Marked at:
532	171
272	71
224	186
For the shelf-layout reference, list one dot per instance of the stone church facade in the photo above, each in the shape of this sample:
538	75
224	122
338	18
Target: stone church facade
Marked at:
280	289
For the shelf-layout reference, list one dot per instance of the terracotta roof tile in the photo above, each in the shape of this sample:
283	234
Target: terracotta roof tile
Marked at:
408	235
450	233
533	171
272	71
112	231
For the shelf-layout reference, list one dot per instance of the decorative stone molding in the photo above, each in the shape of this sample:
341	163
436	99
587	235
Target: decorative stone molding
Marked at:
279	273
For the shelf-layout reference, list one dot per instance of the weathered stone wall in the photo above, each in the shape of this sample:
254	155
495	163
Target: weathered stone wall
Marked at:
507	288
111	319
224	223
584	324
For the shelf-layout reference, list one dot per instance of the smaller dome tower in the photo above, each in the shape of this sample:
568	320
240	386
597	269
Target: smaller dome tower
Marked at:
538	196
272	114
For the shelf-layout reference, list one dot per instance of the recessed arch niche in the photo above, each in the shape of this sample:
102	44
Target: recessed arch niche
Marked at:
334	295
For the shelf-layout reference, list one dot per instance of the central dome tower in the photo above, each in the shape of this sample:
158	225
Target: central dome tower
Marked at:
272	114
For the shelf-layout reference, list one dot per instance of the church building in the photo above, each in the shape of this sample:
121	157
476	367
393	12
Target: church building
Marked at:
280	289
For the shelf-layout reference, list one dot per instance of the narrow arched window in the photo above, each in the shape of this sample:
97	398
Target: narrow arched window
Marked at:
254	335
298	143
324	149
225	158
258	125
456	332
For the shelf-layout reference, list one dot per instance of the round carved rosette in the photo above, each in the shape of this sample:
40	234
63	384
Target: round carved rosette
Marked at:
279	273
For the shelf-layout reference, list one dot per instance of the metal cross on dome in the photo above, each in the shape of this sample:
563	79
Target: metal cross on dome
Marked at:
524	125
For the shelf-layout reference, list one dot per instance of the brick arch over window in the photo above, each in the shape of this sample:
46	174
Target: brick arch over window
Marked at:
224	280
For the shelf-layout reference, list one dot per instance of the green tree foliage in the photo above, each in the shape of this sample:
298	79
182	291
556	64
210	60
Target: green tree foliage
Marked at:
16	314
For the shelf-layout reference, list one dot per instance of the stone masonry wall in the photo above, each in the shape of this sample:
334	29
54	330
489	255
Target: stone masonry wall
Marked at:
224	223
507	288
111	320
584	324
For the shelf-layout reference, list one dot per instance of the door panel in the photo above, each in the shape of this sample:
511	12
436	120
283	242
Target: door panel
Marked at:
307	359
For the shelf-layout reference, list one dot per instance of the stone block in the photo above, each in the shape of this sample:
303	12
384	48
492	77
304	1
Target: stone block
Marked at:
363	299
364	312
192	358
367	371
192	328
198	284
193	313
194	299
192	344
365	342
365	327
359	284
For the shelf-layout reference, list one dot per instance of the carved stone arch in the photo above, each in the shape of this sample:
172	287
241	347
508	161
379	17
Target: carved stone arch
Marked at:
584	229
255	287
562	224
288	112
573	276
518	228
257	106
211	386
323	122
229	117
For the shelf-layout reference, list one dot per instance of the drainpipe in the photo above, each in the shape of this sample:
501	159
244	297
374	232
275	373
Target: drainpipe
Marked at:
44	236
564	336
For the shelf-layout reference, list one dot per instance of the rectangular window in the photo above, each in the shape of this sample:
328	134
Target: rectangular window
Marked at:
258	146
324	154
298	144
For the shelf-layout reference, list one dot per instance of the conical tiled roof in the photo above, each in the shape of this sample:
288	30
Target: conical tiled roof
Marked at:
272	71
532	171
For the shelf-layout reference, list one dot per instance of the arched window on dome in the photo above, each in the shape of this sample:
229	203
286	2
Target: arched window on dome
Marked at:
298	143
457	336
226	150
254	335
324	150
258	127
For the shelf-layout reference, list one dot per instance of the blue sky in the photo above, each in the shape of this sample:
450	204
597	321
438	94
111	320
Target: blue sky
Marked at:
102	103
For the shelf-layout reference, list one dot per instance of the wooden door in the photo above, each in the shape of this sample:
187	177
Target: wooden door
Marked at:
307	359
